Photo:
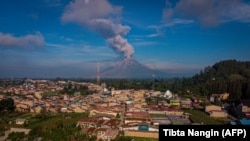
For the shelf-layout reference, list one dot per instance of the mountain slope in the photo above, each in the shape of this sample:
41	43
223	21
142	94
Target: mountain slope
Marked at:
130	68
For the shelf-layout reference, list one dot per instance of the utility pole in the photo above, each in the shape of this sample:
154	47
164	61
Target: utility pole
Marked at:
98	74
153	86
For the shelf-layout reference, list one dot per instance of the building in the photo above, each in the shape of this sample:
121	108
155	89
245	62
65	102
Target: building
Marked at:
241	122
137	117
21	121
186	103
212	108
218	114
175	102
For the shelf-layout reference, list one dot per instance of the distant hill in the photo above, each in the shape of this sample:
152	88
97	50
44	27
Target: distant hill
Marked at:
225	76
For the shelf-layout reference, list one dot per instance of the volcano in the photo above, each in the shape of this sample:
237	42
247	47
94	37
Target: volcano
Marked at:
130	68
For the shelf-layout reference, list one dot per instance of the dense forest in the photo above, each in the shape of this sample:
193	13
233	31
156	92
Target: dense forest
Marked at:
225	76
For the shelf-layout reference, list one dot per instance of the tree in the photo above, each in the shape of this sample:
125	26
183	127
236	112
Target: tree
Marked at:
247	92
235	90
118	116
16	136
7	105
93	138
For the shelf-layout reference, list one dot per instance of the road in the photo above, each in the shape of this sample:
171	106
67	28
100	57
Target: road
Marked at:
122	116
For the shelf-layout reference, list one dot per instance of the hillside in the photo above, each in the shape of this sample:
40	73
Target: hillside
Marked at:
230	76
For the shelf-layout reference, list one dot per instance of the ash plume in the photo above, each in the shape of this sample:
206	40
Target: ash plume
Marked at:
102	17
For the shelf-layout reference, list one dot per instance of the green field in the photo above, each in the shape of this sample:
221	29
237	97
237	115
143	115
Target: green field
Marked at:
50	126
158	115
198	116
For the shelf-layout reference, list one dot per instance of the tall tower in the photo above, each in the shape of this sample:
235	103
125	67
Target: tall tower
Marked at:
98	74
153	85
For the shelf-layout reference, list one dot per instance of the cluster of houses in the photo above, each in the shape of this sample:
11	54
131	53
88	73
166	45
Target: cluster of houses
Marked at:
117	110
103	127
29	97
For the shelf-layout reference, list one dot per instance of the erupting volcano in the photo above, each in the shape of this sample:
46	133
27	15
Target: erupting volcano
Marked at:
102	17
130	68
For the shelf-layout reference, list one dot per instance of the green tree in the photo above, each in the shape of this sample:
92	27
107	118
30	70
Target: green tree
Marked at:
118	116
7	105
16	136
247	92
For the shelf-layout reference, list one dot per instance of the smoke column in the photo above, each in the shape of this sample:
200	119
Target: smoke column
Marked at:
101	16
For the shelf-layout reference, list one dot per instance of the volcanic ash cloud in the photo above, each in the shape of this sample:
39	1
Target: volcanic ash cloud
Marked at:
102	17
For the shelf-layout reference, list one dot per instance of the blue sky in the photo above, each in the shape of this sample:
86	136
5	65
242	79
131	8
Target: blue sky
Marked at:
66	38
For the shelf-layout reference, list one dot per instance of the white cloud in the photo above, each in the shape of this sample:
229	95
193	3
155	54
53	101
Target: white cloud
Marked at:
158	31
178	21
83	11
30	40
207	12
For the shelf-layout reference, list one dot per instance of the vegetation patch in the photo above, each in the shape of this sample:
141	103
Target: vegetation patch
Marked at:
157	115
201	117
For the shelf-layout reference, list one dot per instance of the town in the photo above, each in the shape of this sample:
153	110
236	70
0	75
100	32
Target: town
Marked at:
99	112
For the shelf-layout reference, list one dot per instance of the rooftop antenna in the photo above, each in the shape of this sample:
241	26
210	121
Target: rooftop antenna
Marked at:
98	74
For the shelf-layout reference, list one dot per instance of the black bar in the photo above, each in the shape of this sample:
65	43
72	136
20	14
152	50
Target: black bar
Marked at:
205	132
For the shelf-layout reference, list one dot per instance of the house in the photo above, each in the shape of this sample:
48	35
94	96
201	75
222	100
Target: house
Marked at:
143	126
218	97
224	96
218	114
78	110
36	109
22	107
186	103
242	109
103	116
178	120
38	94
87	123
98	127
215	111
241	122
214	97
97	122
212	108
175	102
2	96
102	133
21	121
137	117
161	121
113	123
245	106
194	99
110	134
174	112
